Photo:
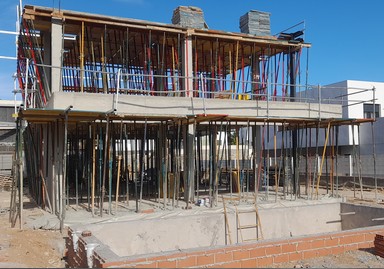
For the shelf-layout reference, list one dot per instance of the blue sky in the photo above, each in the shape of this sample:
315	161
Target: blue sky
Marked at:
347	36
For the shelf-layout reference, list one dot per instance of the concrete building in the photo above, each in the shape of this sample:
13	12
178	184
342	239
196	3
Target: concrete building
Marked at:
122	117
152	83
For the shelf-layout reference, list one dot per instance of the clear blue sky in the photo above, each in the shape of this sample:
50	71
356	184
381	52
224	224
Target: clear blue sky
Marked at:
347	36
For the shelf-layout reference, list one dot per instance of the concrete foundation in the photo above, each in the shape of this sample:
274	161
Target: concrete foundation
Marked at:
160	231
186	232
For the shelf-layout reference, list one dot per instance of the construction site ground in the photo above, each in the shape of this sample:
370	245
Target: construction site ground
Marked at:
41	244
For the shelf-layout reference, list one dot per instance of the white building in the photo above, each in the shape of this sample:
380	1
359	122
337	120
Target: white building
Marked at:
360	100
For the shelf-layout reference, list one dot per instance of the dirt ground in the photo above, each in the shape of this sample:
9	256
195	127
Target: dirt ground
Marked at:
28	248
36	246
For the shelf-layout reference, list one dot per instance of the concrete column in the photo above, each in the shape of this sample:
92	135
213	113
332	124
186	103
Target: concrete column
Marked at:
56	50
47	43
189	161
187	67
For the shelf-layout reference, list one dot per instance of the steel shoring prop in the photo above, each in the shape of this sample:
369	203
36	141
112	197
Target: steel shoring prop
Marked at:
132	146
374	159
354	160
64	168
173	162
178	163
164	167
14	208
119	160
254	160
94	144
142	164
76	152
198	163
206	169
248	158
307	173
147	159
218	162
326	163
100	149
135	166
242	165
315	159
229	142
259	169
126	168
332	160
286	162
111	156
266	162
299	156
237	161
167	165
106	153
337	160
322	160
359	167
109	159
191	185
89	164
211	160
275	160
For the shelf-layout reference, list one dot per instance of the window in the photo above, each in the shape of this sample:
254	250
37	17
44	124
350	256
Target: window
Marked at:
369	109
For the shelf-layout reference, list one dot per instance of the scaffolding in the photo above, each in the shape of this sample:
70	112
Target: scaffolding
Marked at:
102	160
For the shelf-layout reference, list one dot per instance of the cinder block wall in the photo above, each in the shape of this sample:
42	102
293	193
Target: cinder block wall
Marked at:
260	254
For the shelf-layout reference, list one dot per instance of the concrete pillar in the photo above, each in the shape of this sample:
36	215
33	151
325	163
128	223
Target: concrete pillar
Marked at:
187	67
47	43
189	161
56	50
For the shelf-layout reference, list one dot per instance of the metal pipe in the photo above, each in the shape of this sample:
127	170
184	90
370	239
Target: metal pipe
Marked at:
66	111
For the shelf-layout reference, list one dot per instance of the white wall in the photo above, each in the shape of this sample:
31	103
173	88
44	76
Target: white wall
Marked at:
351	94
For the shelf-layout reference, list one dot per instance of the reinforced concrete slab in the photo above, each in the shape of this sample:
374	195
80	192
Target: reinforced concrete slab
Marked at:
185	106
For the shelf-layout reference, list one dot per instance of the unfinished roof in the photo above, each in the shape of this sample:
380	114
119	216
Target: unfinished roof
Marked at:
42	20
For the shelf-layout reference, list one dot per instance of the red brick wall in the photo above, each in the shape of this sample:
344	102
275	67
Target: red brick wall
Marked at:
248	255
76	259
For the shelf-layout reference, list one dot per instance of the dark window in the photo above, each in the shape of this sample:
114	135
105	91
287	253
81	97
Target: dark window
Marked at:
369	110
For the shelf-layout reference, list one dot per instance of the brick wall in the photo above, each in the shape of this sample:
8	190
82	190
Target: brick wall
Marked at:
76	259
260	254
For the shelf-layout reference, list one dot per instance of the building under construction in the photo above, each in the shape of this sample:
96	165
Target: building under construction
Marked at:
119	114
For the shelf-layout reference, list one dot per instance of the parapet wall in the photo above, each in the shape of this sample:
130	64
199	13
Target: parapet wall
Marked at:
246	255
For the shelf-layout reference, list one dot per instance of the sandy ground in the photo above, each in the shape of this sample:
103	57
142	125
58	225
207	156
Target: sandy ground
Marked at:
39	245
28	247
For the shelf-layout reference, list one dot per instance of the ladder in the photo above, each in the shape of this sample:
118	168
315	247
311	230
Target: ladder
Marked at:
241	224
